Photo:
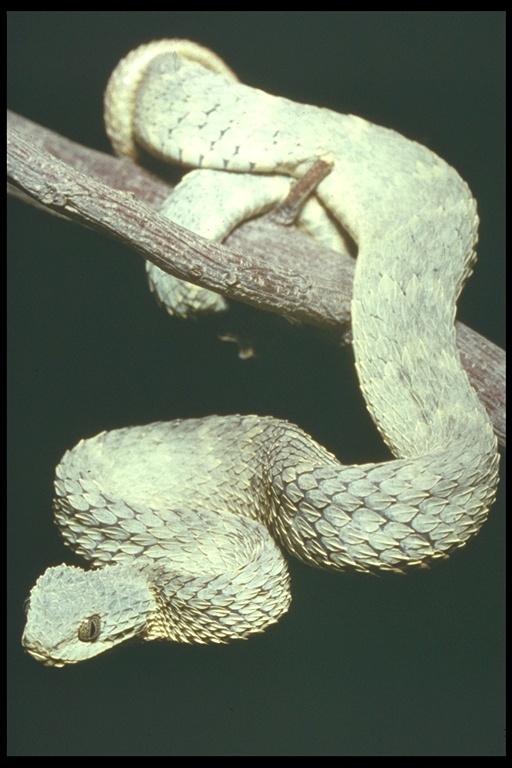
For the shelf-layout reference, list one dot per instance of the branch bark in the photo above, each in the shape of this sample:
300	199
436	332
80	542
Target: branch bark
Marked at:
268	266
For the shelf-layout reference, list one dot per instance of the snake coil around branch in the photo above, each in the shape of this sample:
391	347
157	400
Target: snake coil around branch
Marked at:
183	522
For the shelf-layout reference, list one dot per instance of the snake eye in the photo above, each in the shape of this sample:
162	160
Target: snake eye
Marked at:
89	629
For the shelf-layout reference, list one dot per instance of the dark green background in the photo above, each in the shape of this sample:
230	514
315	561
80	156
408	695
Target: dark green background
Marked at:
360	666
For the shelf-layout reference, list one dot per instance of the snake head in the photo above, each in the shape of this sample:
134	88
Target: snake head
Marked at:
73	614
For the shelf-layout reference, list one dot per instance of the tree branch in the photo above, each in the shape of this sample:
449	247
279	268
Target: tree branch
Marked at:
268	266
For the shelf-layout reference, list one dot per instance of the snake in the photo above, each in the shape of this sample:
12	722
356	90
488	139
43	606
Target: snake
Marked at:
186	524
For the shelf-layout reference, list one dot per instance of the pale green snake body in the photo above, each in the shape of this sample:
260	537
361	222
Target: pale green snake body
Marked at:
183	521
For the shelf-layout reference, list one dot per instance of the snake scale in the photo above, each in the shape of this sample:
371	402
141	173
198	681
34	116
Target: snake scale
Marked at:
183	522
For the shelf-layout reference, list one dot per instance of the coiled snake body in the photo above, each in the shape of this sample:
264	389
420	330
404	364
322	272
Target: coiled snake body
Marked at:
181	521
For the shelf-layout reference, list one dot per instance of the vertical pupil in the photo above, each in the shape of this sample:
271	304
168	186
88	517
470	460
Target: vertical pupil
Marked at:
89	629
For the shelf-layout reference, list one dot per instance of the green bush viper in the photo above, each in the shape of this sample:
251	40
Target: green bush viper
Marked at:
183	522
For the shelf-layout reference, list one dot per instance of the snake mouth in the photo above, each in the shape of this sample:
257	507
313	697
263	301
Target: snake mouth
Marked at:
43	657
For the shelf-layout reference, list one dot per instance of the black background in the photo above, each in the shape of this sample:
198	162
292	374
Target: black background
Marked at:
360	666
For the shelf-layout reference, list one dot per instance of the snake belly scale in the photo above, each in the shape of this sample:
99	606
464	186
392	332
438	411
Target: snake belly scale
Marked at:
184	523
